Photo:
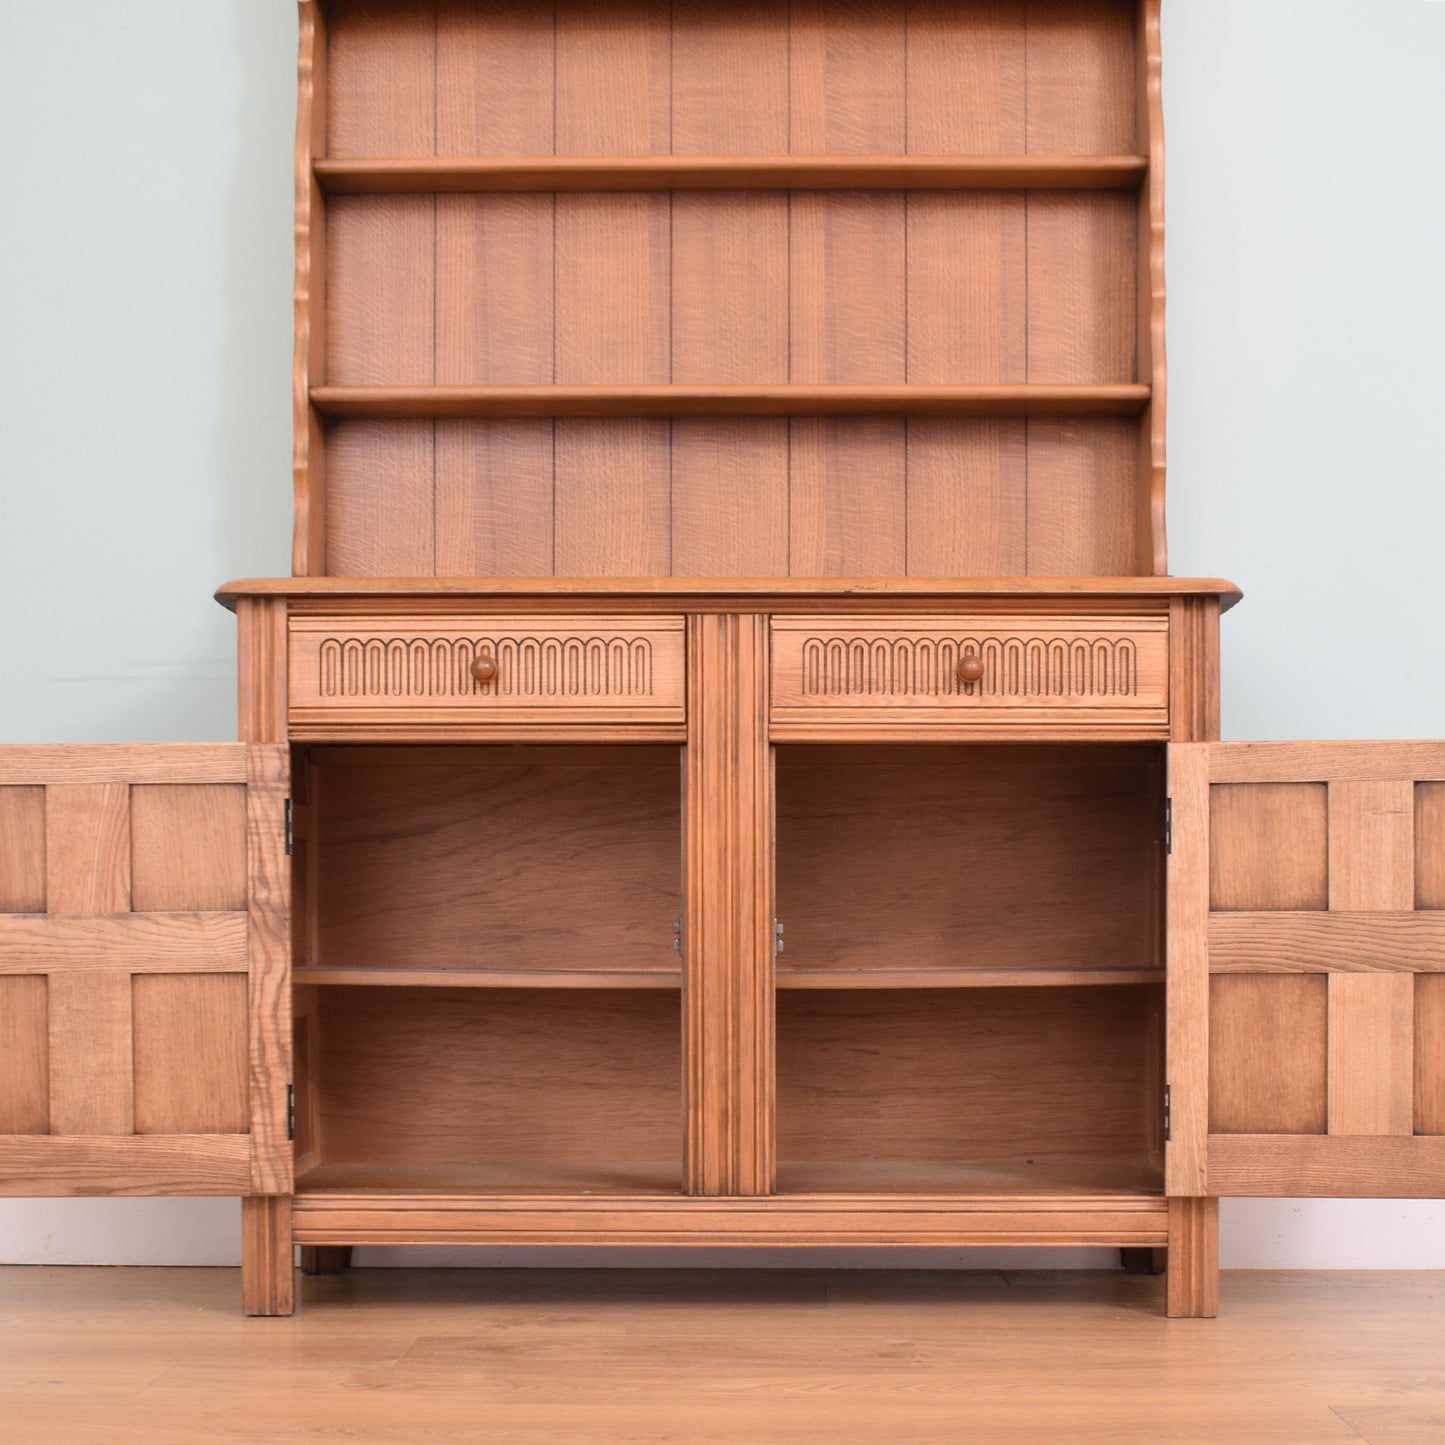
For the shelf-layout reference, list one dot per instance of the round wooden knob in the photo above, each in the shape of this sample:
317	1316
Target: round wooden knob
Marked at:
484	666
970	667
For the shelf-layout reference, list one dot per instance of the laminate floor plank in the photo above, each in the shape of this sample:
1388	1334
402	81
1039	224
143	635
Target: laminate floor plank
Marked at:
601	1357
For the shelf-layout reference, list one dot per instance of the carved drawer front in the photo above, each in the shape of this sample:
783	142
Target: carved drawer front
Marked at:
479	673
926	675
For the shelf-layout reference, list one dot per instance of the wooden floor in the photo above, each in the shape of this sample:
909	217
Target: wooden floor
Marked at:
560	1356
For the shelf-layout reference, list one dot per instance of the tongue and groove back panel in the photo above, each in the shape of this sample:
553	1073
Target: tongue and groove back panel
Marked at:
418	282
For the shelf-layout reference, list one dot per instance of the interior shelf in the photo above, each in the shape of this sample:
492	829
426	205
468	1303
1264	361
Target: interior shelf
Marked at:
600	978
888	978
457	174
619	1176
850	400
1004	1177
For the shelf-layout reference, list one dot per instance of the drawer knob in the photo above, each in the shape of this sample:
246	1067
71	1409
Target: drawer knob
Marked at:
970	667
484	666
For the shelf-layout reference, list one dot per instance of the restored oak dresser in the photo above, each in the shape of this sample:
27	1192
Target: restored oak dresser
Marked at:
731	765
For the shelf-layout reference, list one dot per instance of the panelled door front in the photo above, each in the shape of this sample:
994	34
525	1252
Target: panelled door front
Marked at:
144	990
1311	904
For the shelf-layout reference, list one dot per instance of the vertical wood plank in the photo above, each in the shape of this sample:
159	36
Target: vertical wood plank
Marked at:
380	515
966	86
382	62
729	497
268	1269
188	848
1430	845
87	848
1430	1053
613	77
1372	845
495	498
727	940
1083	284
847	495
1186	1046
269	949
1268	847
190	1053
1193	669
1268	1054
261	669
967	497
1372	1046
494	64
25	1056
613	509
847	303
729	78
1082	480
613	287
967	288
1153	440
847	77
90	1054
22	850
1192	1274
1081	77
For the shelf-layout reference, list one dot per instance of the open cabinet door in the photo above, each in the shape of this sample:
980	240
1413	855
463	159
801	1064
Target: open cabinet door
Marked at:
1307	969
144	955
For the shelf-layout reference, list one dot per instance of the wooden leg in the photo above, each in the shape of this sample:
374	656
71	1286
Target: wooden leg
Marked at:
1193	1276
268	1274
1144	1261
325	1258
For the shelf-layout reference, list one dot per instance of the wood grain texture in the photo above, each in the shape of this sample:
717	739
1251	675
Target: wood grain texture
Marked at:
1082	489
1327	1167
1081	75
260	680
382	63
494	78
966	85
309	296
188	850
967	497
22	849
1264	943
381	509
1268	848
268	887
1335	762
729	497
127	1165
1430	1054
847	498
729	75
268	1271
728	925
613	513
613	78
967	1077
518	824
1371	1054
91	1089
87	848
1152	360
1268	1055
847	76
189	1055
1186	917
1192	1284
25	1059
1430	845
494	498
1372	834
1193	669
170	943
969	856
524	1085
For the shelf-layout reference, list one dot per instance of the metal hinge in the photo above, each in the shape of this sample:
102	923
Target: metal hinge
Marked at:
1167	1120
290	827
1168	825
677	936
777	936
290	1111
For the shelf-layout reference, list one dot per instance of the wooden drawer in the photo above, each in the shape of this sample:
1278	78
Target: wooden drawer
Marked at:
896	675
415	676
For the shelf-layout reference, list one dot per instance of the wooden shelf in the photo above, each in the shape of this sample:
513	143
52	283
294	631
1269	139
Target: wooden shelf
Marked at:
860	978
451	174
1119	399
623	1176
934	1177
366	977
